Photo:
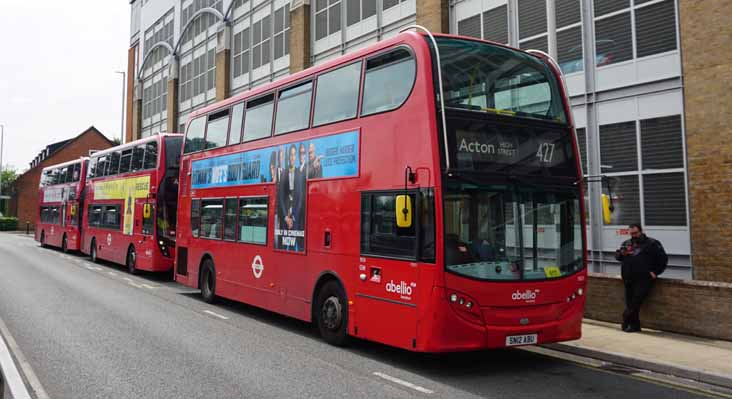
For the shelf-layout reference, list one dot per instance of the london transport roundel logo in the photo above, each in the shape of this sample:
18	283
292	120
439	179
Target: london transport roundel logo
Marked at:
109	239
257	266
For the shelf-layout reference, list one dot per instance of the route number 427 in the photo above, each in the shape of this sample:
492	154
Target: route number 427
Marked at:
545	153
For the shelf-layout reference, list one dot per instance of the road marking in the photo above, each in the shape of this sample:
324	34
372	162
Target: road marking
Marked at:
18	392
215	314
403	383
150	286
132	283
112	273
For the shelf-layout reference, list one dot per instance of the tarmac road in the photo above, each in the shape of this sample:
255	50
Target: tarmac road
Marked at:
93	331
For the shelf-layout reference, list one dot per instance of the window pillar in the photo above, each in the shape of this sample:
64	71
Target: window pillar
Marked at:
223	62
137	111
299	35
172	99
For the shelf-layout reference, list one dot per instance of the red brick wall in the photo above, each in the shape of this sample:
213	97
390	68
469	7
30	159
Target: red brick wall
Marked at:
24	204
700	308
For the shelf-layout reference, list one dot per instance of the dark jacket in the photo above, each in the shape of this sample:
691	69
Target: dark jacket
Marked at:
641	257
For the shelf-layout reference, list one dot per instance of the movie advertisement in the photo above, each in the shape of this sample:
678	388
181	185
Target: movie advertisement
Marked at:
289	167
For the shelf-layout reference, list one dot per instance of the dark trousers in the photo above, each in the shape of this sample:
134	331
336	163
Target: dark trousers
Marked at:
636	291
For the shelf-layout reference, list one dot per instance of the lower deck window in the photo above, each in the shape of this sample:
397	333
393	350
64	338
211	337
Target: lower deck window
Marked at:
253	220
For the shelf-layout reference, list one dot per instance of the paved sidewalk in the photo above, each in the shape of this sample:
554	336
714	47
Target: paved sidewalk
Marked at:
701	359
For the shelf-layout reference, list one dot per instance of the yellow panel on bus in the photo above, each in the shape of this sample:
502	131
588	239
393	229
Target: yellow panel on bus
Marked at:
124	189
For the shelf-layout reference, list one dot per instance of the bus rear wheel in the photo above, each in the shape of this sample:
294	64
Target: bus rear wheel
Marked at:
332	313
208	281
131	261
93	251
64	245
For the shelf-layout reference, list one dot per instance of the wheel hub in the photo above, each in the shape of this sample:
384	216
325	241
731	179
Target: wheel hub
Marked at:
332	313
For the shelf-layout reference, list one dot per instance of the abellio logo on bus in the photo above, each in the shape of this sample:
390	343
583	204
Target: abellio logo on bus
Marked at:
528	295
403	288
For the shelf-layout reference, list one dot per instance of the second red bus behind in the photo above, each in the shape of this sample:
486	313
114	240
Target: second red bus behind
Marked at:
130	204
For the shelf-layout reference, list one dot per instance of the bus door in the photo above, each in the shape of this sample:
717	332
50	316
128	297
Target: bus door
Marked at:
386	289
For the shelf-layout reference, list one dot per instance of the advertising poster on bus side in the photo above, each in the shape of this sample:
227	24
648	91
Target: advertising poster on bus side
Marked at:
289	167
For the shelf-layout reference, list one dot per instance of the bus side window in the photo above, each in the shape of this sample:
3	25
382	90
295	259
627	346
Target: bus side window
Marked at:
126	161
151	155
336	95
195	217
111	217
379	232
76	174
114	163
138	153
194	135
258	121
388	82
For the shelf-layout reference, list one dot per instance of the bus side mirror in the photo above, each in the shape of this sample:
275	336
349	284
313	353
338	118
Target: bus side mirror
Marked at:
607	209
146	211
403	211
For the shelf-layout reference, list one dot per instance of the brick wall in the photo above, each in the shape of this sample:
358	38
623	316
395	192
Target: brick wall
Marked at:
25	201
433	15
693	307
707	62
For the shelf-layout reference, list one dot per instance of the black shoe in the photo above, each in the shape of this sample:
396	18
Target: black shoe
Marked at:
632	329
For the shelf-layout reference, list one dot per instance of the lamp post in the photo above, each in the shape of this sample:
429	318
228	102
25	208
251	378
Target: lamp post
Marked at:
122	116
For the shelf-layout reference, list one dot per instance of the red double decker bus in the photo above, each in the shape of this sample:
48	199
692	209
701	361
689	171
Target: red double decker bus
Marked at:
130	203
423	192
60	195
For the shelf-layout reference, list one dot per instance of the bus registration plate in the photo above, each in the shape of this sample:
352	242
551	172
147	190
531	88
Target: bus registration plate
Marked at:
529	339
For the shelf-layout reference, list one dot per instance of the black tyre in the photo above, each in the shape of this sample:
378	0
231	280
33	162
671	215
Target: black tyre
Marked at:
331	313
43	239
208	281
131	260
64	245
93	251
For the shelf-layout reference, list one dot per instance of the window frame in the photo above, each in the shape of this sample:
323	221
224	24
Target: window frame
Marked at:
289	86
238	216
416	210
223	202
358	98
362	89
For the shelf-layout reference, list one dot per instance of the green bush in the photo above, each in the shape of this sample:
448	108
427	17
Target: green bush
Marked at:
8	223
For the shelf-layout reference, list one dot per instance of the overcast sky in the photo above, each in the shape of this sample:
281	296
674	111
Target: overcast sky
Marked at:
57	63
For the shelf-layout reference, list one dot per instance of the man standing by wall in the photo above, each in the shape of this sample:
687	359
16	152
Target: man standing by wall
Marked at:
643	260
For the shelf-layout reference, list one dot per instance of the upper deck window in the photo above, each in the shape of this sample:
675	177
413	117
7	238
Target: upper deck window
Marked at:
485	77
336	97
389	80
237	120
293	108
151	154
258	121
194	136
218	126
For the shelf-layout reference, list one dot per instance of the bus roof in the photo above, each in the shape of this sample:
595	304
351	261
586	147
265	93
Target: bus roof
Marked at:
135	143
342	60
67	163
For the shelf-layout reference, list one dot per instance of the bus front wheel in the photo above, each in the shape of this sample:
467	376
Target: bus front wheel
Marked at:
208	281
332	313
131	260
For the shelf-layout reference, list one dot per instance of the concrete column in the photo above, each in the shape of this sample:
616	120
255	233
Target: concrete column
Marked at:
223	62
299	35
707	68
433	15
137	111
172	102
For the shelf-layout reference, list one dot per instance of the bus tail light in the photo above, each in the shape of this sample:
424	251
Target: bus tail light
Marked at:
465	306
